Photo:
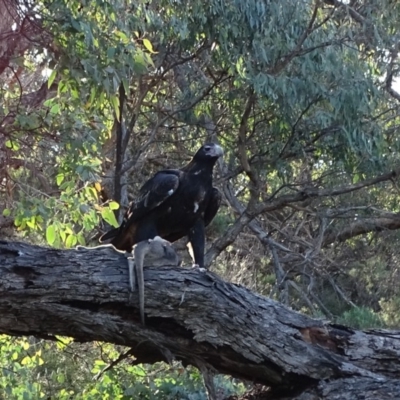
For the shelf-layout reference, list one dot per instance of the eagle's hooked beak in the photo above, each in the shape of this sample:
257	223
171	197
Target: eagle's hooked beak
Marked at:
214	150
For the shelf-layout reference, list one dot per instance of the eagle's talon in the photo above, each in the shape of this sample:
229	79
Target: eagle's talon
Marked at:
200	269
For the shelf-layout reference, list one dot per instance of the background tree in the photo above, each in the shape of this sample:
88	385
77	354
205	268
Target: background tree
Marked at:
96	96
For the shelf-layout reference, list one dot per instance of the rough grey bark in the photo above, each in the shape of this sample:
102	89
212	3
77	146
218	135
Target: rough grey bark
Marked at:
194	317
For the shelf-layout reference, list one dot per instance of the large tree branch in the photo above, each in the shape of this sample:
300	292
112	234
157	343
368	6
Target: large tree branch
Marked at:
311	192
363	226
191	316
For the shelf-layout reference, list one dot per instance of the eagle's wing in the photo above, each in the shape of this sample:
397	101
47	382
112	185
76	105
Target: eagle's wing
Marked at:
153	193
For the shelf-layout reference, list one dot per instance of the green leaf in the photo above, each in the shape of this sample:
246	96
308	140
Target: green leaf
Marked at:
92	95
26	360
51	78
6	212
63	235
148	45
48	102
113	205
126	84
31	223
60	177
122	36
11	144
140	64
55	109
114	100
81	239
71	241
50	234
109	217
111	52
91	191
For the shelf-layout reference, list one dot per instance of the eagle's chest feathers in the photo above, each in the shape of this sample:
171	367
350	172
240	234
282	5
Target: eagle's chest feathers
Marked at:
194	200
197	202
193	196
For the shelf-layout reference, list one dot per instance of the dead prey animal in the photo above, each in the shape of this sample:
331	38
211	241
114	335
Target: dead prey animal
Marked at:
155	252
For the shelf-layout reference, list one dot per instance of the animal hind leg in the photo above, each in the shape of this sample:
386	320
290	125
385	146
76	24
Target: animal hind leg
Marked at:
132	277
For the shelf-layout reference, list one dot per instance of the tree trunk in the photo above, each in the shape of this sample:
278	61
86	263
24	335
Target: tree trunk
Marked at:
194	317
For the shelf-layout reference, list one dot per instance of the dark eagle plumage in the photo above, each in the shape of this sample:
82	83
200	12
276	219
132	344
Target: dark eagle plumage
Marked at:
172	204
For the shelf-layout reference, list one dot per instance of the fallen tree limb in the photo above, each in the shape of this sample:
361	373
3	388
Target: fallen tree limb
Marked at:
193	317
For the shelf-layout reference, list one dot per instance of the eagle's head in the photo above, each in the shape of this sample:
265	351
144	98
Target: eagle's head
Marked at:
209	152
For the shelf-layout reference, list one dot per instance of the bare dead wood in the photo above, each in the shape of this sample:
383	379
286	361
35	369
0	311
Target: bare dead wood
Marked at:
193	317
362	226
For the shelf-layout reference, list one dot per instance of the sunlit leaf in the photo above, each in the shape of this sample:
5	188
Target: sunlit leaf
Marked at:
71	241
59	178
31	223
109	217
12	144
122	36
63	235
114	100
148	45
51	78
113	205
50	234
26	360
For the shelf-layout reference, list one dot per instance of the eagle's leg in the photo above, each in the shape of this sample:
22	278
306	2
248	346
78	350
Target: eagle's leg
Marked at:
197	242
